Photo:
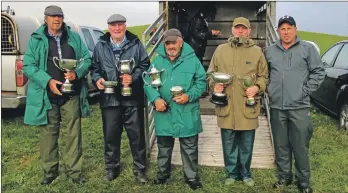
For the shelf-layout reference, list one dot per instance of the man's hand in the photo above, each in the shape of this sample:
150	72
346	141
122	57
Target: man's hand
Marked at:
181	99
218	88
252	91
160	105
100	83
53	86
216	32
126	79
71	75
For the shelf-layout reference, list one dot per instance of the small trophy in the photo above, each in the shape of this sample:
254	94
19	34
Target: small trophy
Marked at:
245	83
176	91
66	65
126	67
218	77
155	76
109	87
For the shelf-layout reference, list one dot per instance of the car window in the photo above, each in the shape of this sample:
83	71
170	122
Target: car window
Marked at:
342	58
98	34
330	55
89	39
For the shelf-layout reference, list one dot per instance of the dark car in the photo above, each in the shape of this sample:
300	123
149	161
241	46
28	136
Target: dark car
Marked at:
332	94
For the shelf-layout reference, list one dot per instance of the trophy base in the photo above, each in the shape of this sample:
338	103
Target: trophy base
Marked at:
219	100
109	90
126	91
67	88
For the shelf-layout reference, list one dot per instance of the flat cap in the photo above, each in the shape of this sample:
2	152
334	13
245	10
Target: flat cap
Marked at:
53	10
116	18
171	35
241	21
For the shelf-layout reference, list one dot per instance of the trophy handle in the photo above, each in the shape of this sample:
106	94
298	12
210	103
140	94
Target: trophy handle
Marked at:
54	59
143	76
132	61
165	78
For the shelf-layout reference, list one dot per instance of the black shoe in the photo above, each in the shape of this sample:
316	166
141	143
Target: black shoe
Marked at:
304	188
111	175
160	181
194	184
47	180
141	178
281	183
79	180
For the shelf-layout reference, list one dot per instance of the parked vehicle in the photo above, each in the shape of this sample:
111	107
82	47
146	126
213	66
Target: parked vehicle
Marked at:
332	94
15	34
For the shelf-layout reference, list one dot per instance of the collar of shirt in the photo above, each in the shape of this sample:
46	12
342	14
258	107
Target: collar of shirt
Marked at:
120	44
57	38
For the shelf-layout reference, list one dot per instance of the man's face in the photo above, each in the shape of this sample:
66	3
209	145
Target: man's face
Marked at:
240	31
173	48
117	30
54	23
287	33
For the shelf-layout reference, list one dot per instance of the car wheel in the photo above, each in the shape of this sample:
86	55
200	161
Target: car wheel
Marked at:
344	117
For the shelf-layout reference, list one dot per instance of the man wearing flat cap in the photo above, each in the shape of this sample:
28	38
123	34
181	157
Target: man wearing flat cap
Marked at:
241	58
177	116
296	70
118	110
46	105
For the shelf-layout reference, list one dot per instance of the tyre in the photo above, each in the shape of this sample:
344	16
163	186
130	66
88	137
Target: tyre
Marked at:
343	117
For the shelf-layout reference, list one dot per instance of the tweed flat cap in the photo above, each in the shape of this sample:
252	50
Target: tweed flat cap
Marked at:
53	10
115	18
171	35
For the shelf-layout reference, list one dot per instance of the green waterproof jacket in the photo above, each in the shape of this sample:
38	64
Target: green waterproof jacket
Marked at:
187	71
35	66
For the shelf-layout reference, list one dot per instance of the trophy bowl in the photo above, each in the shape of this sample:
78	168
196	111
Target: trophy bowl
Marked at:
220	99
109	87
176	90
66	65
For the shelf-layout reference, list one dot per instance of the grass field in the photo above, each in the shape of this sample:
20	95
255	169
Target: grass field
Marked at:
21	170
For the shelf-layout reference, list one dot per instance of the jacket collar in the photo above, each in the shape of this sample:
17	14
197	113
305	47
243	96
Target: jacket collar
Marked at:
132	39
42	31
240	42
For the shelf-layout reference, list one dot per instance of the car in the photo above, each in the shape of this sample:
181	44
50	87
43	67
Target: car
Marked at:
332	94
15	34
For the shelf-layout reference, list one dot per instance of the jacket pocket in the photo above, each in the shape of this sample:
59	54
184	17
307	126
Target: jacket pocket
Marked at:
253	111
223	111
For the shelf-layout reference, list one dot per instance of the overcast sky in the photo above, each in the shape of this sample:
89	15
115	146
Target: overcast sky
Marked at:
323	17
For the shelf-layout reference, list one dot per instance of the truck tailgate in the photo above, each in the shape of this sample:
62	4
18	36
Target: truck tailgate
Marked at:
8	73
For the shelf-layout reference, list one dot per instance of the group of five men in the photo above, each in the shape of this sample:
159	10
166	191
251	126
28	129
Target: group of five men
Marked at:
290	69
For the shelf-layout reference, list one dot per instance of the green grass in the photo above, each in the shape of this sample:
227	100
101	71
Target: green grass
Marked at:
21	170
324	41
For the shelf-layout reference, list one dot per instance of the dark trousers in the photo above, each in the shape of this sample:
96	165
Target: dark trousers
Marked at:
132	119
238	150
189	155
292	131
65	121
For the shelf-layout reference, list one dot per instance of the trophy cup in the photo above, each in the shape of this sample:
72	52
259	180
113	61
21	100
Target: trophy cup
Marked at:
218	77
245	83
176	91
66	65
109	87
126	67
155	77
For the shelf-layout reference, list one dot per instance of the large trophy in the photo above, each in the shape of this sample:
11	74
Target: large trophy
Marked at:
126	67
218	77
109	87
246	82
66	65
155	77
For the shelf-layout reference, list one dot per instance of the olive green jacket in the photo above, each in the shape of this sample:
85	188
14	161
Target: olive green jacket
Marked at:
242	59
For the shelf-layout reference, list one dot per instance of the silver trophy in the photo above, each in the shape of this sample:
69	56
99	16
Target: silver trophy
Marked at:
126	67
155	77
245	83
109	87
176	91
218	77
66	65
